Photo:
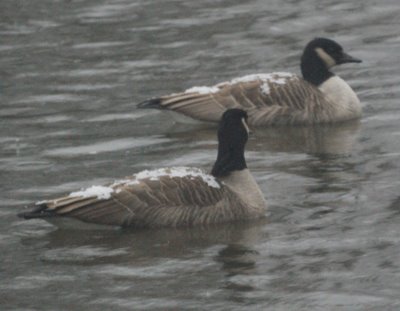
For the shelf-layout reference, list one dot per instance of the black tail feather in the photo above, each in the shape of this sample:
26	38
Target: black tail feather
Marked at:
39	211
154	103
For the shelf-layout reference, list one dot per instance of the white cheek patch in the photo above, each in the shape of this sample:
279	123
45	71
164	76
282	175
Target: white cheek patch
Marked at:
245	126
326	58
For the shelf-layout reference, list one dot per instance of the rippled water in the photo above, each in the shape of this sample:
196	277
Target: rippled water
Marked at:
71	73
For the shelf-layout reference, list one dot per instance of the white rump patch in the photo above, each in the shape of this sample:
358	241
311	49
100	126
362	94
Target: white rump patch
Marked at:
101	192
172	172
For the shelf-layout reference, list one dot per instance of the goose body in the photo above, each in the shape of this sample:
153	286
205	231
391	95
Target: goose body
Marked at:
276	98
171	197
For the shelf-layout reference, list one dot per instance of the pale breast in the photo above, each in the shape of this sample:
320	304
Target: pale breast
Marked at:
344	100
244	185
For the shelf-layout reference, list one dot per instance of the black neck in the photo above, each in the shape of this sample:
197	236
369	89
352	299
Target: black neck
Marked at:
232	138
230	158
314	69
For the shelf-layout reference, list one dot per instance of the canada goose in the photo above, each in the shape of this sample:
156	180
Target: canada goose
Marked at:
276	98
172	197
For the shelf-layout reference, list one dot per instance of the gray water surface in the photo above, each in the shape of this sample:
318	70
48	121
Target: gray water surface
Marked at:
71	73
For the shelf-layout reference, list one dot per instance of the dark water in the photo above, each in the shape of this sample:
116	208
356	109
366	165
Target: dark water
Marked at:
71	73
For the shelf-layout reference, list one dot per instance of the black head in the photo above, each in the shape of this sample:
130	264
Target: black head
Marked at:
233	126
233	133
330	52
319	56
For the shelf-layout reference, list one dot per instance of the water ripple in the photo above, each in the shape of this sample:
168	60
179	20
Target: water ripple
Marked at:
71	74
106	146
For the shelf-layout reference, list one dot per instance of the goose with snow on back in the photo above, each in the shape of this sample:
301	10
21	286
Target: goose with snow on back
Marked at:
277	98
172	197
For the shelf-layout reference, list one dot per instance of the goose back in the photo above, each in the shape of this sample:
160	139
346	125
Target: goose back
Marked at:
164	201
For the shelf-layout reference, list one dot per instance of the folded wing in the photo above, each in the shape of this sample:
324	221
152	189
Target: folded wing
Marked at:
167	201
278	98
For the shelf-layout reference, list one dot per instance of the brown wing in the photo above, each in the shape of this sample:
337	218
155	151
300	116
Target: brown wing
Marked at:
170	202
287	101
